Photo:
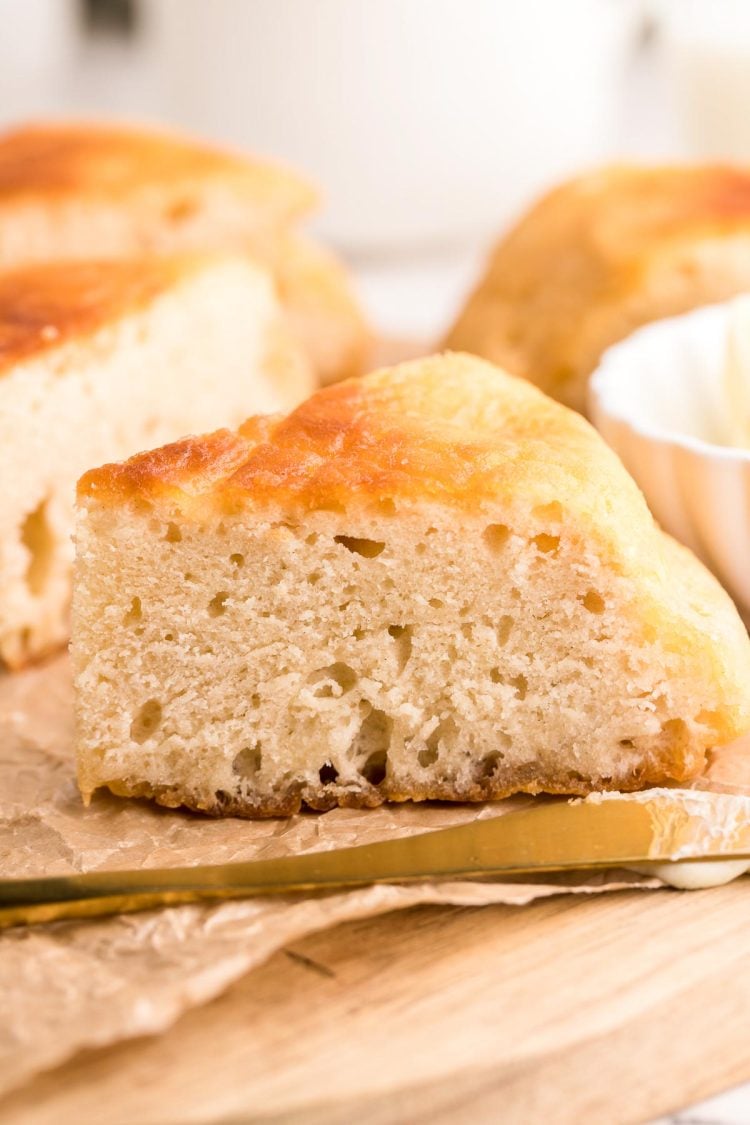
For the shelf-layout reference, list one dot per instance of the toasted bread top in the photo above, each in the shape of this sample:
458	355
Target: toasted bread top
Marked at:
58	160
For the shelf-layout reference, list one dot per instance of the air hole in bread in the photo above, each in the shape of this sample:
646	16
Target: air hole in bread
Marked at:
490	763
521	684
547	544
375	768
593	602
135	613
173	534
496	535
420	548
371	744
387	507
402	635
367	548
328	774
436	603
504	628
627	743
247	763
217	605
574	775
237	559
518	683
332	682
314	578
311	539
147	721
442	736
428	756
37	538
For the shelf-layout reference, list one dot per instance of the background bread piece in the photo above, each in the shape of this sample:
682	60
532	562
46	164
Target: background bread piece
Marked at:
432	582
72	190
98	360
322	311
600	256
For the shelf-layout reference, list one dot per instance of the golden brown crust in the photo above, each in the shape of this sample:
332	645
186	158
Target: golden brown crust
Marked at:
46	305
448	428
72	189
105	161
599	256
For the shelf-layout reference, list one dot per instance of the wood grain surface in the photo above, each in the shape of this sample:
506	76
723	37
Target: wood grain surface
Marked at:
611	1009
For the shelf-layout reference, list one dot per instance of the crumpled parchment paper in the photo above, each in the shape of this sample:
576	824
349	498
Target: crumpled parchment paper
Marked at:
71	985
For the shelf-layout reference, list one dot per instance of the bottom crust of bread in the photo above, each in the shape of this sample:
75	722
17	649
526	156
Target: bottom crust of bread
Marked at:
299	796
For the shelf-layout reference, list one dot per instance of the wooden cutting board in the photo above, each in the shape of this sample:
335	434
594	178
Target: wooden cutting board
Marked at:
610	1009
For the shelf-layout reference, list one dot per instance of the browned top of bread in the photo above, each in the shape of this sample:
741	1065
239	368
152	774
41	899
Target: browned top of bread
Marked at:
599	256
449	428
46	305
63	159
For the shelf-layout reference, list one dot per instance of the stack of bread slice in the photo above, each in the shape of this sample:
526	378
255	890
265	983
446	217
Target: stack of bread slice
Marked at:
85	190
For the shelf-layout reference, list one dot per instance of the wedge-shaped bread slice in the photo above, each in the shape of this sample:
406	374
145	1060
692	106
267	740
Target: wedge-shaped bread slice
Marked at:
72	190
601	255
99	360
433	582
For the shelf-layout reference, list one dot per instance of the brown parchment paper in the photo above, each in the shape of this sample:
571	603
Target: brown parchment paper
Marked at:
71	985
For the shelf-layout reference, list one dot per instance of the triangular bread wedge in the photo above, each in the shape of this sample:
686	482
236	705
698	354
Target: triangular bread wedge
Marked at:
433	582
99	360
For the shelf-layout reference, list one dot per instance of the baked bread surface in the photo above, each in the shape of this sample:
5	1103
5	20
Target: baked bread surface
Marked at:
99	359
75	190
433	582
74	160
598	257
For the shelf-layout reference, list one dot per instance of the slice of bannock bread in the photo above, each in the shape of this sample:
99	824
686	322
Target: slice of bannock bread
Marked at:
600	255
74	189
433	582
99	360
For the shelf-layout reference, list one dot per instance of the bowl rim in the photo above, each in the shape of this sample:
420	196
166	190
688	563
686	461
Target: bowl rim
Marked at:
603	377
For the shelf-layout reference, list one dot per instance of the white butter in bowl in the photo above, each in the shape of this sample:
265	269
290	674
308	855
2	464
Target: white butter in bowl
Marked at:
673	400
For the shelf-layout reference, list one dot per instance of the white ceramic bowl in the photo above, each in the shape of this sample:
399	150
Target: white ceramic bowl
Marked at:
658	398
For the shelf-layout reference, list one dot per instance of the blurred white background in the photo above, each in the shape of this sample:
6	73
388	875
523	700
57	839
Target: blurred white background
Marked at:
428	123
